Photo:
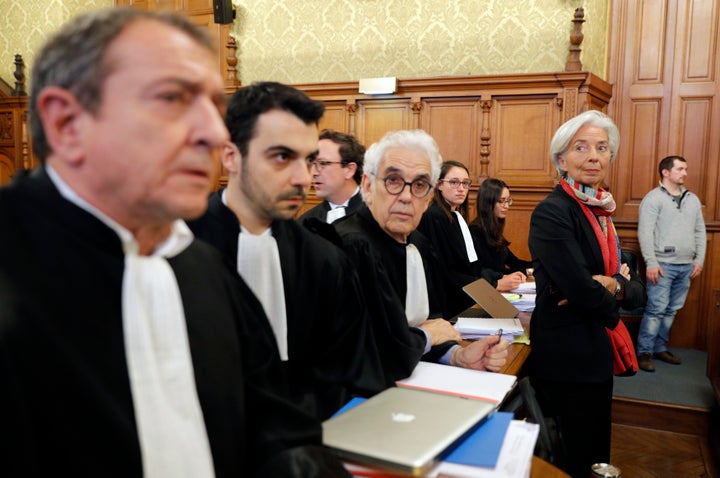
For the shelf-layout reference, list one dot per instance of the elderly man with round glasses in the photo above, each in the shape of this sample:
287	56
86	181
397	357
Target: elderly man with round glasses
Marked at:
402	278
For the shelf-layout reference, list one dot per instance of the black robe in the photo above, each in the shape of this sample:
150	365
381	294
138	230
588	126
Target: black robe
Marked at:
569	341
449	244
321	210
66	404
497	263
326	317
381	264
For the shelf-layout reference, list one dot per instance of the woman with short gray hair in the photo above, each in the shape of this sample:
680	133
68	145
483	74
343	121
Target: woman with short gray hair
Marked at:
580	287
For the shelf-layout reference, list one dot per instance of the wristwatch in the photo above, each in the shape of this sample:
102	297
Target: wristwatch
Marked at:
618	288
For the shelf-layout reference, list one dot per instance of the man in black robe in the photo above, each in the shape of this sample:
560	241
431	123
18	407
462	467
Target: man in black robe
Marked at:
307	286
336	175
126	348
403	281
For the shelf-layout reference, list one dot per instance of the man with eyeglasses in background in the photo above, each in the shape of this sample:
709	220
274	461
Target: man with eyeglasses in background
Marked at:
306	285
403	281
336	175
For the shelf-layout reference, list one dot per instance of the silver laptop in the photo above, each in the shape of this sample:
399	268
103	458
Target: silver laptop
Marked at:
404	429
491	302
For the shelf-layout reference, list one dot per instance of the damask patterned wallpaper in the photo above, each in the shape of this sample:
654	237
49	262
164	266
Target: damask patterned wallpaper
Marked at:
310	41
337	40
25	24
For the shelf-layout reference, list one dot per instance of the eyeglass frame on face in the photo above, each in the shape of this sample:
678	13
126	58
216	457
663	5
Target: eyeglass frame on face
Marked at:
321	164
392	177
455	183
505	203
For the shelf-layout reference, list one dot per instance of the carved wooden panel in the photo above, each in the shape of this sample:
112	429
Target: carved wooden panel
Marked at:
200	12
7	127
7	168
377	117
664	63
194	7
335	116
638	168
700	26
453	123
650	32
522	130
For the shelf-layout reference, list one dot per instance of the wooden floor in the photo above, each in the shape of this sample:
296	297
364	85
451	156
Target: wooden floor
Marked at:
646	453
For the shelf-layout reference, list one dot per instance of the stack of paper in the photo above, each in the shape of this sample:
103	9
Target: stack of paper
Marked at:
523	298
473	328
459	381
514	461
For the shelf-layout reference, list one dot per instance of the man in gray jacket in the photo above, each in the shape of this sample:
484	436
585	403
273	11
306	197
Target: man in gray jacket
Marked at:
671	231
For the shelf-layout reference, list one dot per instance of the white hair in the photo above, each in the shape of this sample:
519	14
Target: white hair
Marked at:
565	133
415	139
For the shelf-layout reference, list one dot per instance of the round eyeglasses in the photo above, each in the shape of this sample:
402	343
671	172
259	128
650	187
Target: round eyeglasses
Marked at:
455	183
505	202
395	185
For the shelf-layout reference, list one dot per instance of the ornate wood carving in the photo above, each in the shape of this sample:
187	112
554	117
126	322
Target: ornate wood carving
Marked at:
6	126
484	140
19	76
231	80
352	109
576	38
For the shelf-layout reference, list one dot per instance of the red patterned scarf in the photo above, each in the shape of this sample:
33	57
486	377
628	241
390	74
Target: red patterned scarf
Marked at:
598	206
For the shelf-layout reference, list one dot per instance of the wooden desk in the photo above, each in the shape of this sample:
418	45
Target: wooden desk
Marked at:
539	468
542	469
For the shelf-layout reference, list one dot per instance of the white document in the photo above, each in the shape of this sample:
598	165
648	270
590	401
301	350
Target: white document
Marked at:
473	328
514	461
528	287
524	302
463	382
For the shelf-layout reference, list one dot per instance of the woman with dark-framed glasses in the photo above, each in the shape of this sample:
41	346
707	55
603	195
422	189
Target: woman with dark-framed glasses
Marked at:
507	271
445	224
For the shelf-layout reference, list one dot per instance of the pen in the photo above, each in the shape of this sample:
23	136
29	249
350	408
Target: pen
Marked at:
499	334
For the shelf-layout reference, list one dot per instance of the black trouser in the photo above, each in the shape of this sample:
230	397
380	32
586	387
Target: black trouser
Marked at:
583	412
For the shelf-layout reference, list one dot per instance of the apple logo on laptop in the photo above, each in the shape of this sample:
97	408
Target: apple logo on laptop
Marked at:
402	417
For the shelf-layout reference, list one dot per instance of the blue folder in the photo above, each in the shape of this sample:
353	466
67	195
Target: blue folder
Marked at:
482	448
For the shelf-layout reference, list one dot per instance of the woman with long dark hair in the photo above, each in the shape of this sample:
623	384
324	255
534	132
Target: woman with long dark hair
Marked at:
493	202
445	224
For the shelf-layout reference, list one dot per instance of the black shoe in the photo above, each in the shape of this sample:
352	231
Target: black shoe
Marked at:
668	357
645	362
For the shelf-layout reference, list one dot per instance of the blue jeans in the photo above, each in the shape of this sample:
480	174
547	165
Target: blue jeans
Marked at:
664	299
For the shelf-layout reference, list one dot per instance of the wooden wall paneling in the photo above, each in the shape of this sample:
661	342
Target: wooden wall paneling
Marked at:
640	41
7	168
695	111
520	140
642	151
14	137
377	117
705	336
335	116
194	7
454	124
201	13
517	226
713	359
666	102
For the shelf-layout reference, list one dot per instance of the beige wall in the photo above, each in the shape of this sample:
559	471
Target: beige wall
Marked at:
25	24
338	40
